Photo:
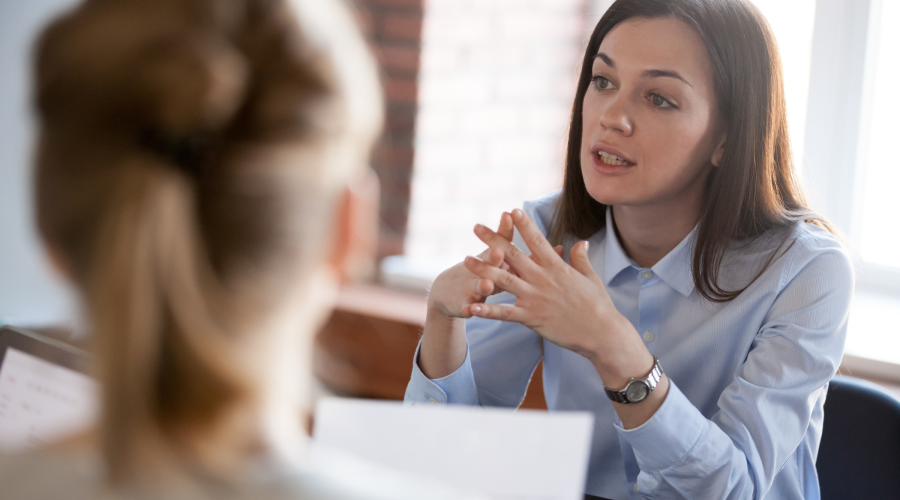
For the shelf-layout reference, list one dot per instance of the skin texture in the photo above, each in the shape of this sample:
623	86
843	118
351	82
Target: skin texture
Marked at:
668	130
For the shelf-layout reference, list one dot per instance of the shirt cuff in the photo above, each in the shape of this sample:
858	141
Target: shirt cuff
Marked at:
456	388
669	435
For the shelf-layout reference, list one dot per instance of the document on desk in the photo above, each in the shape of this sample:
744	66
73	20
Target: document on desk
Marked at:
505	454
41	402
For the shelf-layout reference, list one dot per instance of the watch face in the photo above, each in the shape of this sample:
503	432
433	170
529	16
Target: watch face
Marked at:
637	391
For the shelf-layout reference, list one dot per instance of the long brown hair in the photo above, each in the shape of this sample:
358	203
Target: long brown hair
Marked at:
189	160
755	189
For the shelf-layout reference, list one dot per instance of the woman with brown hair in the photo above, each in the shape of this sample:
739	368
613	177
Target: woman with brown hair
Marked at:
701	309
201	179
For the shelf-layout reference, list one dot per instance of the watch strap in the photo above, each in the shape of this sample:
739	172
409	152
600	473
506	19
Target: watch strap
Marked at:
651	381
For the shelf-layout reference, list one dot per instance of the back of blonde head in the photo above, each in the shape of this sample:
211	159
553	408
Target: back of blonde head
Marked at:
190	154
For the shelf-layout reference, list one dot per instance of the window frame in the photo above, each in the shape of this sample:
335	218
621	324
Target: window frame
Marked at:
842	71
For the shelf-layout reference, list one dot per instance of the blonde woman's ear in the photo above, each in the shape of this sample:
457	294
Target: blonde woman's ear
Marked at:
355	236
58	263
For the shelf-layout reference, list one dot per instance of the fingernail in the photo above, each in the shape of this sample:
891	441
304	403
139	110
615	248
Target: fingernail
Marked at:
479	228
587	245
476	309
517	214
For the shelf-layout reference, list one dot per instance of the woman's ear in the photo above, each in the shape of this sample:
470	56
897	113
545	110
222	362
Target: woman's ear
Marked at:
718	152
58	263
356	229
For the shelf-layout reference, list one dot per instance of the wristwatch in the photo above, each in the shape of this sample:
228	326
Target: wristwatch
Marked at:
637	390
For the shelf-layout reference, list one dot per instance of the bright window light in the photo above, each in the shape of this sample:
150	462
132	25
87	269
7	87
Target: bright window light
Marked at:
880	204
793	23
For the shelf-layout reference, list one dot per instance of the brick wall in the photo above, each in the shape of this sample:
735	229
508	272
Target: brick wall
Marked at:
475	89
495	88
394	31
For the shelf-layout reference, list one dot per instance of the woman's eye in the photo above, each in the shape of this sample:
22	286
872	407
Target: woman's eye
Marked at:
602	83
660	101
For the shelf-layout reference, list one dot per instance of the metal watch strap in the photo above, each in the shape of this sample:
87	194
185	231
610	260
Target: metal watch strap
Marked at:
650	382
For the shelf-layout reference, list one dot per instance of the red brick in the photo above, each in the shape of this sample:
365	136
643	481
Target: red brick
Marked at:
394	58
402	90
394	221
401	27
396	193
394	155
409	4
390	244
394	30
400	122
393	177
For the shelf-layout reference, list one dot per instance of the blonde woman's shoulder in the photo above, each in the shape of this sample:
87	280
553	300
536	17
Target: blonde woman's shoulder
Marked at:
45	475
331	475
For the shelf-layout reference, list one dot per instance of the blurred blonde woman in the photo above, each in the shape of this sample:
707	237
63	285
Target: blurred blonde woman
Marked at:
201	178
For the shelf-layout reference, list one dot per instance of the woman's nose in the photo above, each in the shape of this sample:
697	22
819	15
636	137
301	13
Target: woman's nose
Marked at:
616	116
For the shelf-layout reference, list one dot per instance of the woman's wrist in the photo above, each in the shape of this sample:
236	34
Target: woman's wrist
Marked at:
622	356
443	347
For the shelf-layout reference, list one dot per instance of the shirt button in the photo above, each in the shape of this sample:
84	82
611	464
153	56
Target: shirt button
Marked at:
433	401
634	487
648	336
646	275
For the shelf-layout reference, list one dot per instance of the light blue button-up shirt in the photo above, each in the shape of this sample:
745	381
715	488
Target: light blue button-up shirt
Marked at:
743	416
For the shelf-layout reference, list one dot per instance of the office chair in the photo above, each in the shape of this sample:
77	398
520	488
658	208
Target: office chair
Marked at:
859	457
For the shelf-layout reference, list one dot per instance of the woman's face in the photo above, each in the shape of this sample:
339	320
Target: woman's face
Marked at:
650	104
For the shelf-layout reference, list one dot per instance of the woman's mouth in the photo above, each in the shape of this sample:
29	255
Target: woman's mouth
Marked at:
608	163
611	159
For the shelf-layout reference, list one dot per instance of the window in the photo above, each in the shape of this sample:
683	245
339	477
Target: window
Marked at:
864	174
793	23
879	210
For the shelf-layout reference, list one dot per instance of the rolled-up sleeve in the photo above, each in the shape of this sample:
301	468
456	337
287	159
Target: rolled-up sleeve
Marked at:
500	359
456	388
766	411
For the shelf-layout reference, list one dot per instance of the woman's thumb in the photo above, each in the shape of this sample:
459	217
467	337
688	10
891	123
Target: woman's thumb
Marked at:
578	258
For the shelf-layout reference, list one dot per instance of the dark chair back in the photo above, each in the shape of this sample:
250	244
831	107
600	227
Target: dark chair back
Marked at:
860	452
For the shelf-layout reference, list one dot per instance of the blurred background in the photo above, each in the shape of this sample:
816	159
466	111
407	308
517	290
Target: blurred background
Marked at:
478	96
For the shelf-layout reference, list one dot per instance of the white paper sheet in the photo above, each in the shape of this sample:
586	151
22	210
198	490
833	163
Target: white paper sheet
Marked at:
508	455
41	402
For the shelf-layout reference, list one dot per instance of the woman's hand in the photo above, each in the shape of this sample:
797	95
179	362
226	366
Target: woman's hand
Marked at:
457	289
453	295
566	304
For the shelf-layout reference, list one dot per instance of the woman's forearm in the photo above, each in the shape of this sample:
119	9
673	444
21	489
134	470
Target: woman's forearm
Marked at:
443	348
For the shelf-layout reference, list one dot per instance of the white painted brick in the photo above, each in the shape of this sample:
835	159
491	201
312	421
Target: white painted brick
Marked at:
495	88
491	120
436	155
437	122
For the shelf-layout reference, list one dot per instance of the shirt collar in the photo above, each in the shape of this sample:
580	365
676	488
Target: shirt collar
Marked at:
616	260
674	268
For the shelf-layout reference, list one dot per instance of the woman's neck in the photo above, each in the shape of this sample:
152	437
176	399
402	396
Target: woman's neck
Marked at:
649	232
285	399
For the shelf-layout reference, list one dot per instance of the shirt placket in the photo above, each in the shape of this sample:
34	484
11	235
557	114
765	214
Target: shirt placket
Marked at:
648	329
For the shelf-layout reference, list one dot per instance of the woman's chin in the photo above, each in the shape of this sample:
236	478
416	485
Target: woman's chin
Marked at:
608	196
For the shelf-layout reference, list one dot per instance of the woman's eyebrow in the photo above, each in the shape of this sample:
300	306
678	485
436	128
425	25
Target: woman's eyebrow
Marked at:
647	73
605	58
658	73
